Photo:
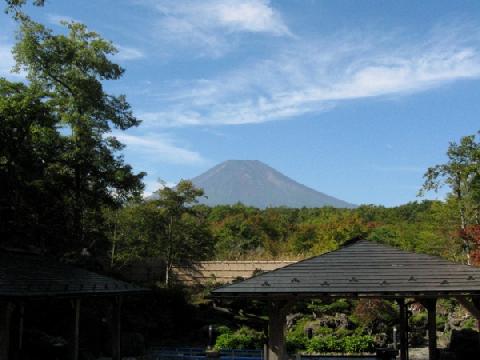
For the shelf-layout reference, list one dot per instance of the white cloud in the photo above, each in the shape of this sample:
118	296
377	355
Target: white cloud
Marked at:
7	62
316	76
56	19
208	25
153	185
160	148
128	53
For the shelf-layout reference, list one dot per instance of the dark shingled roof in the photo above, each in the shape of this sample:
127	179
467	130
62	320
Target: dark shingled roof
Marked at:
24	275
362	268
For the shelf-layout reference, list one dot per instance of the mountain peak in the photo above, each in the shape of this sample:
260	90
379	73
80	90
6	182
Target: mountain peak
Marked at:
254	183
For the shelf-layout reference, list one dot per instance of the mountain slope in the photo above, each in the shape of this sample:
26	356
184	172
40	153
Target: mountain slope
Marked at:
254	183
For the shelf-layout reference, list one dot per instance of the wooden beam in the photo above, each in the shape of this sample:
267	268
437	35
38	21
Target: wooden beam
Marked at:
76	329
277	323
476	303
21	313
403	329
473	307
6	310
470	306
116	328
431	305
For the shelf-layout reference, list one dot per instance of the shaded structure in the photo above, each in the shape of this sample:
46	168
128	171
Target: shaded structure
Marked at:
361	269
27	277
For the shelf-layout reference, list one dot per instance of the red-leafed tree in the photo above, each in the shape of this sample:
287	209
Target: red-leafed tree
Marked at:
471	234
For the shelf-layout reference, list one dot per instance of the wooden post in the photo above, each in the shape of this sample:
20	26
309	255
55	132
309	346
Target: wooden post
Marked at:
476	303
76	329
403	330
431	305
20	326
6	310
277	323
116	329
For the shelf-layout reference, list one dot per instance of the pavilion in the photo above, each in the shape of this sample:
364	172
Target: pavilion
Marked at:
361	269
26	277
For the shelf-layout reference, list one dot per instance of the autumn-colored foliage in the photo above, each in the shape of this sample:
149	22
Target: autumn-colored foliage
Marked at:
471	234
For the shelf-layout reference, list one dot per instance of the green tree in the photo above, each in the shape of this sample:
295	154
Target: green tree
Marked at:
461	174
187	236
169	228
32	206
136	231
83	163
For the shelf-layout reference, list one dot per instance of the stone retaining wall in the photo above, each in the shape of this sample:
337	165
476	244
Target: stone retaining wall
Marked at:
225	271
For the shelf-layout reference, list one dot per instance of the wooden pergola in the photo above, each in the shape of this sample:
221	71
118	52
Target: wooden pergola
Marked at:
361	269
26	277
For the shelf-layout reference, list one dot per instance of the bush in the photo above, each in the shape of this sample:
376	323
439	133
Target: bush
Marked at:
323	344
330	308
296	342
323	330
470	323
419	319
243	338
359	344
347	344
441	322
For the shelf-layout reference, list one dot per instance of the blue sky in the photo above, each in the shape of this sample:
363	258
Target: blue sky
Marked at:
352	98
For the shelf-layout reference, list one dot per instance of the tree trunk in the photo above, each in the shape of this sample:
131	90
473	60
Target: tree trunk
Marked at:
167	274
463	223
114	242
169	252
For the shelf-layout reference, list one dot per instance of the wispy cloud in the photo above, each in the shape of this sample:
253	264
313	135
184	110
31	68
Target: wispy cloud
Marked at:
128	53
161	148
7	62
124	52
208	26
154	185
56	19
314	76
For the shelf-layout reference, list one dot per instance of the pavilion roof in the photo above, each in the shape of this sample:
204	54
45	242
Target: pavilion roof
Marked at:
362	268
27	275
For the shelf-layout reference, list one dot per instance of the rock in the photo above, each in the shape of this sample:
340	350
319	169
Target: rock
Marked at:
381	340
337	321
292	319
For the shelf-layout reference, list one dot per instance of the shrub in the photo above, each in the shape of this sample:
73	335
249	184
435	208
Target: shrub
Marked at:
323	344
325	307
441	322
243	338
470	323
419	319
358	344
347	344
296	342
342	332
222	329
